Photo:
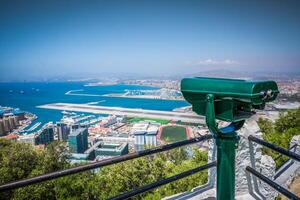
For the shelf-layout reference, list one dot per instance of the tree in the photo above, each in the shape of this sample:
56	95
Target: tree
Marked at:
266	126
280	133
288	120
95	184
126	176
17	161
78	186
20	160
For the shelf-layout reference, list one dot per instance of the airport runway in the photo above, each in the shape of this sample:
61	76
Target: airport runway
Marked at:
130	112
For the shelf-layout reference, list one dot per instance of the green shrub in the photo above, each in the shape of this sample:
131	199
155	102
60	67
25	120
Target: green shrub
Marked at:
280	132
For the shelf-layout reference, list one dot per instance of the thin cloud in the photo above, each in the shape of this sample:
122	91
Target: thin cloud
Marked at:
217	62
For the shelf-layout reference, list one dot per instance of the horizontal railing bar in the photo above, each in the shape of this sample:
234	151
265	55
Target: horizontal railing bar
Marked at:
280	155
102	163
273	184
159	183
275	148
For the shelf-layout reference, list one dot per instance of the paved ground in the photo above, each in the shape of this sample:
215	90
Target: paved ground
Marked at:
294	187
290	168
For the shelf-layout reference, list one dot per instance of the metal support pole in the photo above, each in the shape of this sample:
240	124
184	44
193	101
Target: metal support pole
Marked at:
226	141
226	146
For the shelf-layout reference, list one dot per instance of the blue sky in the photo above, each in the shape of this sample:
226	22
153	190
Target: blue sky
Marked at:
80	38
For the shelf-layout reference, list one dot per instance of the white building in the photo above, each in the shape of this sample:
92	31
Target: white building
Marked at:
145	133
151	136
30	138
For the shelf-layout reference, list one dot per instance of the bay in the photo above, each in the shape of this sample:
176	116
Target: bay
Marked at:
28	95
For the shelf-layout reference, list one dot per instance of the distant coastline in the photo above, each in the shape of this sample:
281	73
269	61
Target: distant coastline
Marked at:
101	84
122	95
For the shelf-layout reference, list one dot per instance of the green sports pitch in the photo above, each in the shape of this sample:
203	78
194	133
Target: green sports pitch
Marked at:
173	134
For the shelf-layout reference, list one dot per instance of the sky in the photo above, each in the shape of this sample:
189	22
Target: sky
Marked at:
40	39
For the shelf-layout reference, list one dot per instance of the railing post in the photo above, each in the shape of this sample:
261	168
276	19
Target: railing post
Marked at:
252	162
255	182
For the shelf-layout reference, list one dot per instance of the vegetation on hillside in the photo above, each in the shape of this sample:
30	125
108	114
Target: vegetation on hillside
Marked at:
20	160
280	132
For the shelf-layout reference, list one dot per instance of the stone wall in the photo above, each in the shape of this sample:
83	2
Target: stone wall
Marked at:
263	163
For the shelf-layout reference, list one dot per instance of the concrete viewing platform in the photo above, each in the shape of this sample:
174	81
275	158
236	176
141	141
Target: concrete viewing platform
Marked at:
130	112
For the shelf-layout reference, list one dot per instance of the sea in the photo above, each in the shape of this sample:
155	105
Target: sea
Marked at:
28	95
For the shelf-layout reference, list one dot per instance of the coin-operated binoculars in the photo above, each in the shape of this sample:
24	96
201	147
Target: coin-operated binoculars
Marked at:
232	101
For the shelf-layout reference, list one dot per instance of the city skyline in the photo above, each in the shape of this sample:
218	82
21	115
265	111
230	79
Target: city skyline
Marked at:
150	38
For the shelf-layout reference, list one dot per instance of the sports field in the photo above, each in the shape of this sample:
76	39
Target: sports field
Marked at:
138	119
173	134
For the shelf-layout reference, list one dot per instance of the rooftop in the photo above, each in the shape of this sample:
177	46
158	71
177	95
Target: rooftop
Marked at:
77	131
12	136
105	146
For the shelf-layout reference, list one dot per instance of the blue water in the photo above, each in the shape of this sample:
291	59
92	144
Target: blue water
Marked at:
44	93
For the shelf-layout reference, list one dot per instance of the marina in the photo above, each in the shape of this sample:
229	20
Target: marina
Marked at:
32	128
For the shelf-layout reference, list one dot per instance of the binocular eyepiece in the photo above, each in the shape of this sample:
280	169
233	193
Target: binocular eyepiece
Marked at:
234	100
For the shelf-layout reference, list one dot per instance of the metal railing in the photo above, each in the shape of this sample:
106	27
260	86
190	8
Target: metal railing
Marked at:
263	178
249	170
278	149
271	183
163	182
110	161
291	148
286	164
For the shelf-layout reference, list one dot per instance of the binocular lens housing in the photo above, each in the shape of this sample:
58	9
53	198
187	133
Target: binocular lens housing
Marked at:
234	99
